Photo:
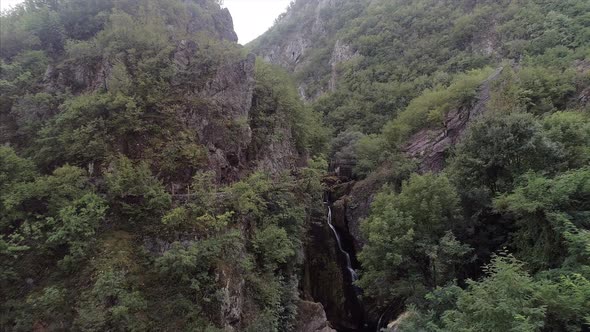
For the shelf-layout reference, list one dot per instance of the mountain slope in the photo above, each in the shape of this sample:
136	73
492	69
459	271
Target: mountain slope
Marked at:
374	57
152	172
486	93
154	175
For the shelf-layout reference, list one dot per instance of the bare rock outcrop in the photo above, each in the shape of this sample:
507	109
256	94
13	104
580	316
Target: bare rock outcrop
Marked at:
224	25
293	52
232	297
311	317
395	325
430	146
359	205
583	97
221	119
342	52
278	153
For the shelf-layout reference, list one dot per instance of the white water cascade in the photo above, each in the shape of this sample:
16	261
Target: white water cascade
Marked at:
352	272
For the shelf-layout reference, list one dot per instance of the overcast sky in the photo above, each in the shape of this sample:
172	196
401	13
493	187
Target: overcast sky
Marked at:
251	17
5	4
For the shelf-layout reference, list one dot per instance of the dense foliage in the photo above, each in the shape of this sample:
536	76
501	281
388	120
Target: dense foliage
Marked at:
142	188
112	214
499	240
515	186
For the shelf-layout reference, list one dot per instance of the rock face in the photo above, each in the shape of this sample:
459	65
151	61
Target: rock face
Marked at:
583	98
221	24
232	302
278	153
79	77
311	317
359	205
430	146
217	111
305	32
342	53
222	122
291	51
224	25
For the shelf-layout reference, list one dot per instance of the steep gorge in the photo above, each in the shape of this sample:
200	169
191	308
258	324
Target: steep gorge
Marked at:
155	175
399	105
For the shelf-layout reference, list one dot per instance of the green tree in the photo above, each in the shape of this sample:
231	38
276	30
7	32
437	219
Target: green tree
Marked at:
551	216
571	132
503	301
410	245
137	197
43	306
498	149
76	225
112	303
568	301
273	246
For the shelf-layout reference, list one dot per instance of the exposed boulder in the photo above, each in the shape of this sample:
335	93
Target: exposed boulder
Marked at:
311	317
394	326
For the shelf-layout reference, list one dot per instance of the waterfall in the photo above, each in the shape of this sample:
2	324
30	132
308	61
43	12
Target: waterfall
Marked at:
351	271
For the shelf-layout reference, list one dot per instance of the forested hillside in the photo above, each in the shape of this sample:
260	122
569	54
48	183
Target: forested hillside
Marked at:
467	128
157	176
148	176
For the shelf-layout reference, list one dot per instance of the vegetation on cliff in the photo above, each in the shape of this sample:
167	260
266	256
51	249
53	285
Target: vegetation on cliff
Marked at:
139	186
493	97
155	176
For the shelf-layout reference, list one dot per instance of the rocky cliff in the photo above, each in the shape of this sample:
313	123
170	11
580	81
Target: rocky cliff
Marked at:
429	147
304	29
168	88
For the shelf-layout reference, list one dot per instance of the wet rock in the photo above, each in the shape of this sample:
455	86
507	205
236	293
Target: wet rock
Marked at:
339	215
324	279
